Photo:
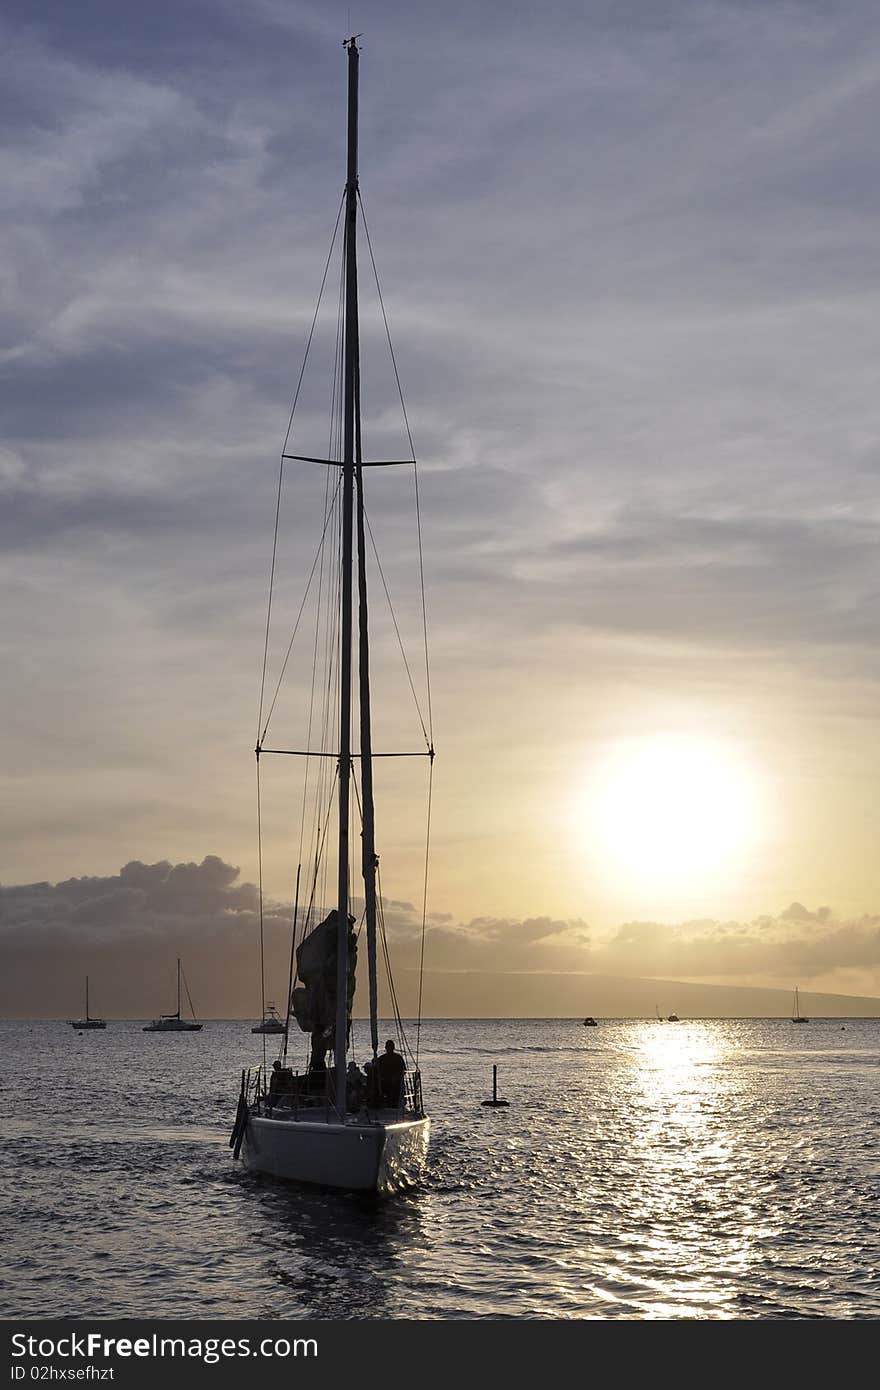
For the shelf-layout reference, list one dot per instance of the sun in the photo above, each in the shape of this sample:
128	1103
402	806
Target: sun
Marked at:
671	809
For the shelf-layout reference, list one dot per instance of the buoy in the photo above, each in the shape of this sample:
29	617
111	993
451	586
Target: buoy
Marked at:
495	1100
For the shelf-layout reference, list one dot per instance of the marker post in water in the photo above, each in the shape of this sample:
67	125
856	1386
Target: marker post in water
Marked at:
495	1101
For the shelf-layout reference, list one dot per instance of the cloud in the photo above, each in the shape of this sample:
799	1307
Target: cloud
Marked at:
142	900
130	926
629	258
798	945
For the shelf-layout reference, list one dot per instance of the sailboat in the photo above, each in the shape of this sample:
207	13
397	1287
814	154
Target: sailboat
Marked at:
796	1015
333	1124
272	1022
173	1023
88	1021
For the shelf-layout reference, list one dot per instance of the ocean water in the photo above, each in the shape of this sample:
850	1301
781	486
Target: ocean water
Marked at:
705	1169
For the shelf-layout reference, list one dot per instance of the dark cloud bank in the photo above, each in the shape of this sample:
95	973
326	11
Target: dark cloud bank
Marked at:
126	931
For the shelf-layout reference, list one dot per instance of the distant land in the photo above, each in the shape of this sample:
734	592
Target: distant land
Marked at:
55	993
479	994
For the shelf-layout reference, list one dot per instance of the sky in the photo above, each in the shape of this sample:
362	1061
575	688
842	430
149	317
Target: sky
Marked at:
628	254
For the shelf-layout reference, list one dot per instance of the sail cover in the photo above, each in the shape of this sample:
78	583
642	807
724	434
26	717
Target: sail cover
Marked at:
314	1000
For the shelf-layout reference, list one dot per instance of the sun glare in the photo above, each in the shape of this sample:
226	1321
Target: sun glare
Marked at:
672	808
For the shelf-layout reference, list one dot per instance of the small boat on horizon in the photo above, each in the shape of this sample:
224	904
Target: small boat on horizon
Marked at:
796	1015
88	1021
590	1022
272	1022
173	1023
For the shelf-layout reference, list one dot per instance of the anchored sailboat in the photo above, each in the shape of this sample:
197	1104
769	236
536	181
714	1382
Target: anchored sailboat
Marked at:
796	1015
173	1023
88	1021
332	1123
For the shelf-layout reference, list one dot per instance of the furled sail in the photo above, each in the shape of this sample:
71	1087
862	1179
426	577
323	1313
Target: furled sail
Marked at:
314	1000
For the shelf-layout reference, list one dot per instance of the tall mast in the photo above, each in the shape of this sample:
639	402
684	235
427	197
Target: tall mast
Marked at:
87	996
178	986
369	861
350	377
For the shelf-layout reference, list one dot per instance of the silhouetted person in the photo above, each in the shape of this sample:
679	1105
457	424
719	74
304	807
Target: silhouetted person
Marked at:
280	1082
355	1086
391	1068
371	1082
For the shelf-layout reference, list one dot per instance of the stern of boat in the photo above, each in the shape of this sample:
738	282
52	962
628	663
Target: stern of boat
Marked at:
359	1156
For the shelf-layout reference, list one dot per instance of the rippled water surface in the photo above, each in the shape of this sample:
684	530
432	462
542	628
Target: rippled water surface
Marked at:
642	1170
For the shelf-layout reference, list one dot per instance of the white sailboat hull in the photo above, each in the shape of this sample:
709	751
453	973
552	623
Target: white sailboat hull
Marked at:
357	1156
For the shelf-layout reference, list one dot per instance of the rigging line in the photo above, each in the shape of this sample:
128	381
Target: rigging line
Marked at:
305	790
360	812
260	881
424	909
324	622
334	677
327	655
314	319
323	625
188	995
323	836
281	462
401	1031
414	463
331	633
424	605
292	961
428	740
336	401
387	329
298	618
334	427
329	505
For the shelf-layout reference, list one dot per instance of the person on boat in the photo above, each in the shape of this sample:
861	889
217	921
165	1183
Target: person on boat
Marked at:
371	1083
280	1082
355	1086
390	1067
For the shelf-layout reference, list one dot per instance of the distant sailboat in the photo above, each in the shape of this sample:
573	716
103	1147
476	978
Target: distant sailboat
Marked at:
796	1015
88	1021
173	1023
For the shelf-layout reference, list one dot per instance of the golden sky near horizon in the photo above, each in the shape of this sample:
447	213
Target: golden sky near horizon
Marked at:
630	273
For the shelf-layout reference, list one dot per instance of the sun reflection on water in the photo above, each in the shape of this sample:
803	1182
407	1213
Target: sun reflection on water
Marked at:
691	1195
